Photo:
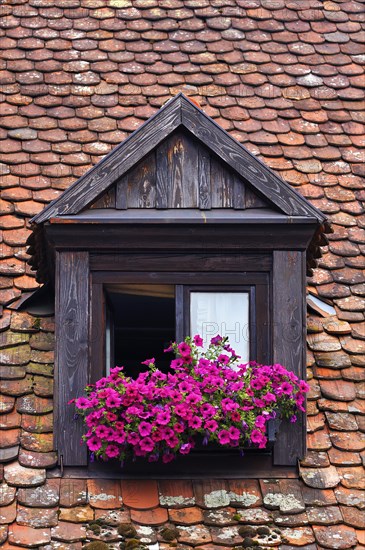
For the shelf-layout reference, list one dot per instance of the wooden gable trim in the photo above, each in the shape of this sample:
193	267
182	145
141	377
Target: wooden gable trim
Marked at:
87	188
179	111
252	169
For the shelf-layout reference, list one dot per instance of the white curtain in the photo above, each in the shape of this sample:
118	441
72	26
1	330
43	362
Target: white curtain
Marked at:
224	313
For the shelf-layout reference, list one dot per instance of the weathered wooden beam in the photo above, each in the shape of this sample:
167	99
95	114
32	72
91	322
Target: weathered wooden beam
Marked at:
72	352
289	329
204	179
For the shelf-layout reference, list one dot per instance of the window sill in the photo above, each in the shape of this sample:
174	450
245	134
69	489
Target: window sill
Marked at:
227	465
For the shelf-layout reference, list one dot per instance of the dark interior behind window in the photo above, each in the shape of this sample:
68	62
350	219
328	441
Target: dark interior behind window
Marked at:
142	325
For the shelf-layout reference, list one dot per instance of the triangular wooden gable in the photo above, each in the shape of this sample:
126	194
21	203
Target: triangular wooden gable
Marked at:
180	173
207	151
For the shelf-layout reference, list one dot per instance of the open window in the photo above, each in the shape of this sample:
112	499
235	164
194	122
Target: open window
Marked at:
139	321
179	229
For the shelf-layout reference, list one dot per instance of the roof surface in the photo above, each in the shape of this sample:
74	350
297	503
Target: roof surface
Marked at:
285	78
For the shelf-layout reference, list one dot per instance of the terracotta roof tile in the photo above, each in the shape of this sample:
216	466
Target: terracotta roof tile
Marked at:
177	493
340	537
141	495
28	536
156	516
79	514
104	494
352	477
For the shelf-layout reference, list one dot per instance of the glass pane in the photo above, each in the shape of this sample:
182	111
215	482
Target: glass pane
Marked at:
224	313
144	324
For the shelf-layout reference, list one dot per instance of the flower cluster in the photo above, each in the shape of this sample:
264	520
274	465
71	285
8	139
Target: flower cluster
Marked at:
207	395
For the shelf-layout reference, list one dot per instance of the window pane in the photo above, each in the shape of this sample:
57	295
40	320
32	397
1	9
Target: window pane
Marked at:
224	313
144	324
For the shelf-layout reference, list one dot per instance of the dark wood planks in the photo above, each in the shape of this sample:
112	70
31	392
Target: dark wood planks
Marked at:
72	351
182	262
107	200
204	179
289	341
163	176
121	193
203	237
252	200
97	332
177	172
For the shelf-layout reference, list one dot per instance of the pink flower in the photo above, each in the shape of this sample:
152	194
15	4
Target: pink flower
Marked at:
176	363
172	441
163	417
234	433
257	384
286	388
222	358
94	444
145	428
216	340
147	444
112	451
149	362
102	431
269	398
211	425
119	437
184	349
185	387
185	448
258	438
195	422
113	402
193	398
303	386
198	340
178	427
82	403
224	437
133	438
260	422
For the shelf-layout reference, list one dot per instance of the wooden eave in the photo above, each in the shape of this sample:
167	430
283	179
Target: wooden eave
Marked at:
183	215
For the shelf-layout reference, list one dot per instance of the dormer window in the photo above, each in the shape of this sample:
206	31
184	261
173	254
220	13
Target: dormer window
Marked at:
178	230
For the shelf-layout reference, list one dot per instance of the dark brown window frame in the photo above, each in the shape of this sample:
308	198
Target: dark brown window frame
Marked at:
81	273
204	462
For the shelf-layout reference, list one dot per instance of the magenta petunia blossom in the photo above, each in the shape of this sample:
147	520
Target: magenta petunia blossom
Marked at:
82	403
223	437
145	428
163	418
94	443
112	451
147	444
113	402
184	349
198	341
211	425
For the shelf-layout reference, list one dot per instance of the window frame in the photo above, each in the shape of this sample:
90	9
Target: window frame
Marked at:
81	271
